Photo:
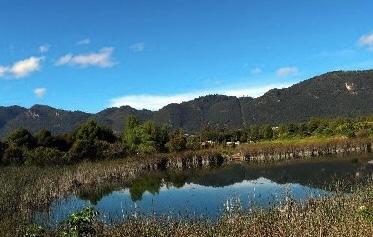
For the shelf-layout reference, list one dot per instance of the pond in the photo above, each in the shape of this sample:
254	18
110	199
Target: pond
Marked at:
206	193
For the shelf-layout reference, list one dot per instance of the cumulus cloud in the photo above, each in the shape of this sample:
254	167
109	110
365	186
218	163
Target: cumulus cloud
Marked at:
102	58
366	41
287	71
26	67
40	92
155	102
3	70
84	41
44	48
137	47
22	68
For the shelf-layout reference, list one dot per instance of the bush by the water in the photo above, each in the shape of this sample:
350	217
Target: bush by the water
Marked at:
91	141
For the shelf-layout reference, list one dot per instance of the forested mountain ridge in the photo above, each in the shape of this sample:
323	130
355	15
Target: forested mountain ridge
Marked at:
334	94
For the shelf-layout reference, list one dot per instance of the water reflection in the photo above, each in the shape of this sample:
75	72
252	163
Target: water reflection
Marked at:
197	193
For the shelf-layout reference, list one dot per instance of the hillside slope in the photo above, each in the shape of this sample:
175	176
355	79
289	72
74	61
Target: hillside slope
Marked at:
329	95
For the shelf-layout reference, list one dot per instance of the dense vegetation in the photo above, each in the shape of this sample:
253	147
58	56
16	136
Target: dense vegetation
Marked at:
335	94
93	142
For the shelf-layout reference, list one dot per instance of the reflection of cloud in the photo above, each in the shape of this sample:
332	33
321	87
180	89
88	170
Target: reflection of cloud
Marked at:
244	184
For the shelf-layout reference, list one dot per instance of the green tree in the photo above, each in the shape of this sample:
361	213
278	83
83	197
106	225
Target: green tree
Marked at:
132	122
83	149
44	138
63	142
254	133
193	143
91	131
266	132
21	138
177	141
140	138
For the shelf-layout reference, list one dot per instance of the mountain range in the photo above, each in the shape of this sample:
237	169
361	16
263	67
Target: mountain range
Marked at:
334	94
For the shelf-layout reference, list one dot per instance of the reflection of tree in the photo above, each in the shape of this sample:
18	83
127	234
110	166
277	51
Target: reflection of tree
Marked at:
317	173
153	183
140	186
94	195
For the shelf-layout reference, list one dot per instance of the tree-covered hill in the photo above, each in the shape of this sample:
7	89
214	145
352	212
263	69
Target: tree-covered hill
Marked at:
334	94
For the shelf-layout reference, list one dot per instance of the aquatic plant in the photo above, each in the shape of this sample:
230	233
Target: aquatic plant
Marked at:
80	223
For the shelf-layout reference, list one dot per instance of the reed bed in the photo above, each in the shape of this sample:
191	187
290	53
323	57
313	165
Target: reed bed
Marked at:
339	215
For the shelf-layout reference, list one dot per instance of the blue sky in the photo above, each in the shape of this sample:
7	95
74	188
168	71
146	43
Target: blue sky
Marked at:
90	55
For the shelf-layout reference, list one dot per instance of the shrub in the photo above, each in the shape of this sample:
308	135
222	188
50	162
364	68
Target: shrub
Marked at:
177	141
96	149
63	142
13	155
2	148
45	156
44	138
80	223
34	230
92	131
146	147
100	147
116	150
83	149
21	138
362	133
193	143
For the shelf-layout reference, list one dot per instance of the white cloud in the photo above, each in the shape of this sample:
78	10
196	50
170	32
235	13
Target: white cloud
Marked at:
84	41
366	41
26	67
256	71
3	70
40	92
155	102
44	48
102	59
137	47
287	71
22	68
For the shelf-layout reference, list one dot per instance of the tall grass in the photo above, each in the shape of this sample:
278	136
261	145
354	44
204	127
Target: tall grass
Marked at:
341	215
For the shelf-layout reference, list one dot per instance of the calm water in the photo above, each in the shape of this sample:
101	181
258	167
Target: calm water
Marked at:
205	193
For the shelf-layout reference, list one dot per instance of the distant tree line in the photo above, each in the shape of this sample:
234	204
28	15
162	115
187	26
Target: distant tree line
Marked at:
358	127
94	142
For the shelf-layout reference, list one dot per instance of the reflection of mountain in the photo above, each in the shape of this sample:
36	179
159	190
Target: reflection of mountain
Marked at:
319	174
316	173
